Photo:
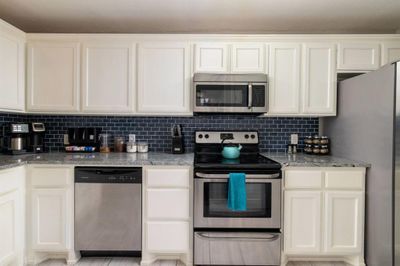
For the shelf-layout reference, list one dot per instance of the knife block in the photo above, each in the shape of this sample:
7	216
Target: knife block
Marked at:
177	145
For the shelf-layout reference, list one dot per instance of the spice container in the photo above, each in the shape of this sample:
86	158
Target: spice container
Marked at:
104	142
308	148
142	146
324	140
324	149
308	140
119	143
316	140
316	149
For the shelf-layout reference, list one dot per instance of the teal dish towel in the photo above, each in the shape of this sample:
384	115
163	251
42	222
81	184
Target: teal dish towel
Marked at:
237	198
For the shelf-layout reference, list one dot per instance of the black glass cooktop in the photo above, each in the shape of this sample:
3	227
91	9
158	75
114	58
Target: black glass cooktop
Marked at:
244	161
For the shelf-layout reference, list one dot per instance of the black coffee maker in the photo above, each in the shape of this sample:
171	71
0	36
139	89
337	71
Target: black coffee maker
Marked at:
36	138
14	138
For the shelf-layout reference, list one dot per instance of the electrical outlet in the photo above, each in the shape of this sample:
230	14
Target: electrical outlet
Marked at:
66	139
294	139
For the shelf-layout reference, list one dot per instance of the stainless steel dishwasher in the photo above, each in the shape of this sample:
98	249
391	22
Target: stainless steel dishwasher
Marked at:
108	212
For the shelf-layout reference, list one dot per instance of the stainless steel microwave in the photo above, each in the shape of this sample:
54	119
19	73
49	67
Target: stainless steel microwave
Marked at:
230	93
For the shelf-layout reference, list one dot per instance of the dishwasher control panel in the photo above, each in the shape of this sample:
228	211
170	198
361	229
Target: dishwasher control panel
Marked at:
108	175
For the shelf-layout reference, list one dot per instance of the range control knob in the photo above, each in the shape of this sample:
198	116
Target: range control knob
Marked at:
206	136
253	136
246	136
200	136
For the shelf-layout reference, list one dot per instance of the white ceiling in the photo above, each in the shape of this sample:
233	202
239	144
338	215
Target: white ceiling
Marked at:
203	16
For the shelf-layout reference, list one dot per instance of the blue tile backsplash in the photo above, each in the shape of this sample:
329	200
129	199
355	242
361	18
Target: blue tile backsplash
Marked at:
274	132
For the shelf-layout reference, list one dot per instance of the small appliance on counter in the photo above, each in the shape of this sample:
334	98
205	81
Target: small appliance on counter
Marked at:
14	138
83	139
36	138
177	140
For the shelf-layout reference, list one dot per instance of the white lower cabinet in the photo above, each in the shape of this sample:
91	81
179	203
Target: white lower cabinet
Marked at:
168	237
303	225
12	216
50	213
167	215
324	214
344	225
49	210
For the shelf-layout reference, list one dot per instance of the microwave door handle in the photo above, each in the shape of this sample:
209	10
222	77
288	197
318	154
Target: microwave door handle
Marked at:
250	96
226	176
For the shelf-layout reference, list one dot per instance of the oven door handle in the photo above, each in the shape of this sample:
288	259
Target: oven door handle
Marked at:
268	237
250	176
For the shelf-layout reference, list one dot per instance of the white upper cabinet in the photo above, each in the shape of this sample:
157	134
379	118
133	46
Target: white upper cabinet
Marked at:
164	78
319	79
107	71
390	52
211	57
360	56
12	68
248	58
284	78
53	76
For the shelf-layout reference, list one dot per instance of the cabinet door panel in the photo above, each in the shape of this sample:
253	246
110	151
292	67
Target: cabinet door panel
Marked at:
53	76
302	222
49	215
390	52
8	230
106	77
211	57
358	56
167	237
248	58
12	79
164	78
344	215
319	79
284	78
168	204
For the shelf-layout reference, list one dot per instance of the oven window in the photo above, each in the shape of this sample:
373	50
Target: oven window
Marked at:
258	201
222	95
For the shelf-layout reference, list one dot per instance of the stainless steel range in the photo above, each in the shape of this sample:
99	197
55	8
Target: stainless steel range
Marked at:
223	236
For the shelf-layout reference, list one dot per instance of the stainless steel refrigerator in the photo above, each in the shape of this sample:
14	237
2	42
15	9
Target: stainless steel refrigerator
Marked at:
367	128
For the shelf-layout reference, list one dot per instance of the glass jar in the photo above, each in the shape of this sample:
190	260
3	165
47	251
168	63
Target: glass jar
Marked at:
308	140
131	147
324	149
324	140
104	142
316	149
142	146
316	140
119	143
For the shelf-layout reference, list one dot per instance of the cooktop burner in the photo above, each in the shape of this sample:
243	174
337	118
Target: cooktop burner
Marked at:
208	147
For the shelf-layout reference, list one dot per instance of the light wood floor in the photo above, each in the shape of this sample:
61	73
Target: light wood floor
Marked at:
136	262
107	261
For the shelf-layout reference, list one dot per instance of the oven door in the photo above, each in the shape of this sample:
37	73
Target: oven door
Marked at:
263	204
230	97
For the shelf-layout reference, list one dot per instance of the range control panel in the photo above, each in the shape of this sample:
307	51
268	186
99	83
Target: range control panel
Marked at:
236	137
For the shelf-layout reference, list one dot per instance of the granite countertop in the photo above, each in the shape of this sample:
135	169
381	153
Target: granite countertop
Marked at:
156	158
103	159
305	160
